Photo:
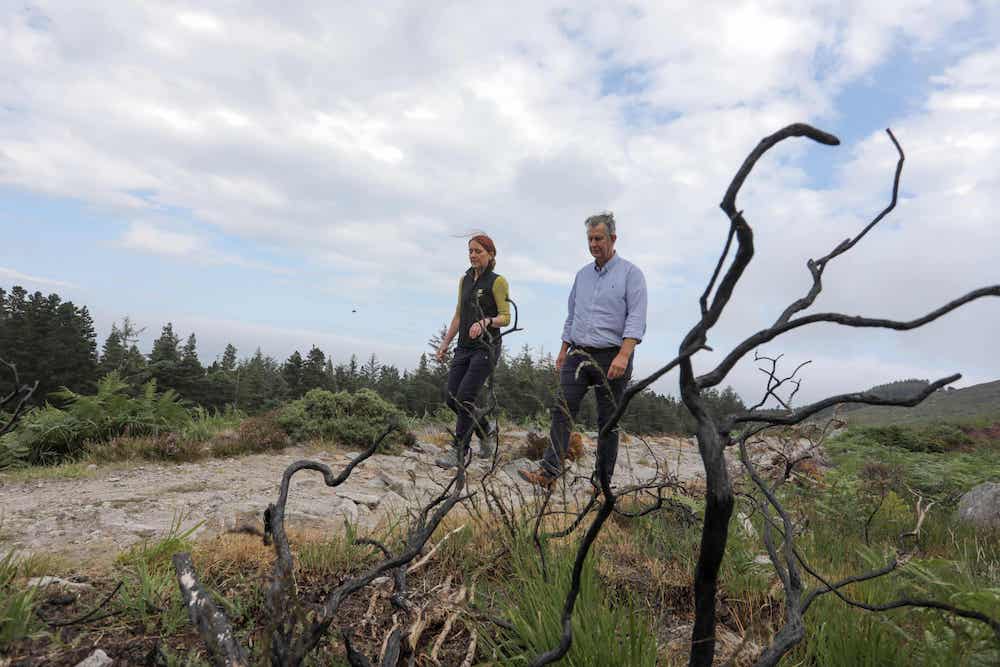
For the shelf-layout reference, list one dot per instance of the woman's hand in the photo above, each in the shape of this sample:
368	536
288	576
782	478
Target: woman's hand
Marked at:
442	350
477	328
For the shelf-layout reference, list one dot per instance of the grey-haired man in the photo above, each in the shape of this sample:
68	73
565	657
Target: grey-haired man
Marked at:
606	320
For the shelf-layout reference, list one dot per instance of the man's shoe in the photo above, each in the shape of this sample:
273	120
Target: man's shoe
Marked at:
537	478
486	443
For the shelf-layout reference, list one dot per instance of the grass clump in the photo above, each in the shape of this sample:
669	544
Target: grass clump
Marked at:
607	631
206	424
334	555
354	419
149	594
17	602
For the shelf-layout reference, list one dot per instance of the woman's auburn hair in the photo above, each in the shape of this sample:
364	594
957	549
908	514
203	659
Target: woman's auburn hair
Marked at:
488	245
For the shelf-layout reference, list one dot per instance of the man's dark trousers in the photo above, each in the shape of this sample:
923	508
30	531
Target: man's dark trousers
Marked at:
470	367
585	368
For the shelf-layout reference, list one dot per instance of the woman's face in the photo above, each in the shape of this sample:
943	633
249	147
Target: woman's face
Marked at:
479	258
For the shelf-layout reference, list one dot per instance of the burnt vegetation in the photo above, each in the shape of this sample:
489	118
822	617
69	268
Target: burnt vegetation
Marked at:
295	629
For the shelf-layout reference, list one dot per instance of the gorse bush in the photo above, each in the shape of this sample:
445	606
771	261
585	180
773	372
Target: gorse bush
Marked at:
49	434
935	438
354	419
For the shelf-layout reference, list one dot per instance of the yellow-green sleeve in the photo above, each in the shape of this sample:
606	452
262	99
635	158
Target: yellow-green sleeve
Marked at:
500	292
458	306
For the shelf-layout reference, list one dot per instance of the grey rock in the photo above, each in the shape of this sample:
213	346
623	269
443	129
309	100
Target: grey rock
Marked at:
642	473
96	659
44	582
392	502
427	447
141	529
981	506
304	520
393	483
519	464
347	511
369	500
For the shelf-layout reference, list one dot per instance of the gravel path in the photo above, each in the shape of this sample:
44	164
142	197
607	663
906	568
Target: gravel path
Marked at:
91	519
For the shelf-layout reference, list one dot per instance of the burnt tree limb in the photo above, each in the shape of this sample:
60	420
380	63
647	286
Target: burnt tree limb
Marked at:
212	625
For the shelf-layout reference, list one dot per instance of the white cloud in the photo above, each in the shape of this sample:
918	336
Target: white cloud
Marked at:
151	238
361	141
18	277
147	237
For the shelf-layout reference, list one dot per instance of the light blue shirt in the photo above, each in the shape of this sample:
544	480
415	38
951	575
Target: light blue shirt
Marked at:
606	305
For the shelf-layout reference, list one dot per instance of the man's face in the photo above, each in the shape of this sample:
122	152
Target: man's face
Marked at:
602	244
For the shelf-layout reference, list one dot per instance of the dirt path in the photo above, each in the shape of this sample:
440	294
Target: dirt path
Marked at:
91	519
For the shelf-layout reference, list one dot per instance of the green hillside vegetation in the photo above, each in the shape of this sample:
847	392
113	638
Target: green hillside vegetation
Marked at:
976	404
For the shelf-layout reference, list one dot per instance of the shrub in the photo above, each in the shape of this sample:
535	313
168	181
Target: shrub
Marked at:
255	434
349	418
162	447
50	435
935	438
207	424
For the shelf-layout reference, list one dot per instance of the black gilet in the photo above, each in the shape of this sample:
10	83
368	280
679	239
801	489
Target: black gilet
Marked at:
477	302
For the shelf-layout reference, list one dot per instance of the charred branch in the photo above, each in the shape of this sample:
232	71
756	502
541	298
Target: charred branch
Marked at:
19	397
797	416
718	374
211	623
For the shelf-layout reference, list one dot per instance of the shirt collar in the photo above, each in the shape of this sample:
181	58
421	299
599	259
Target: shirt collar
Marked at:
607	265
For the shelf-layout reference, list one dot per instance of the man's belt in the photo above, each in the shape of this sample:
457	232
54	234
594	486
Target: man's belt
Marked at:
594	350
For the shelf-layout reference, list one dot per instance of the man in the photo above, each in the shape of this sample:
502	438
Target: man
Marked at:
606	320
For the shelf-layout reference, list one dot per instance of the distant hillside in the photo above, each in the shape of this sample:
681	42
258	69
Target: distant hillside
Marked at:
978	402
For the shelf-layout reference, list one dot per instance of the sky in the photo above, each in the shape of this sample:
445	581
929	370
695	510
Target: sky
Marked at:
285	175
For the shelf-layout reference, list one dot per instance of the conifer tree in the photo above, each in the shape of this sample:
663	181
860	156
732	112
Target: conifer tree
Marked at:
291	371
191	374
313	371
229	358
112	353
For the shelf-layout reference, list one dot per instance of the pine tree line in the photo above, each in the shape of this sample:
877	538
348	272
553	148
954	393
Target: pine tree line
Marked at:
55	342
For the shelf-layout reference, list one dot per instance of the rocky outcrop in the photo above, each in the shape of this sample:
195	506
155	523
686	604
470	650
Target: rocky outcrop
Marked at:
107	510
981	506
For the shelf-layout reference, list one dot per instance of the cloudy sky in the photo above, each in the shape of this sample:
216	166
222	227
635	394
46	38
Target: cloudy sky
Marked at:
256	175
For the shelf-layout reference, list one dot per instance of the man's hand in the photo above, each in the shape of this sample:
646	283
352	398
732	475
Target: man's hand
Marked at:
560	359
618	366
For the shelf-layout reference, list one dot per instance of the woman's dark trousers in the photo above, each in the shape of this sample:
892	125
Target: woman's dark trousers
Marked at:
470	367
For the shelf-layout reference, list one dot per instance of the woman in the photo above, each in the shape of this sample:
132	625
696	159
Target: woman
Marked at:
482	309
